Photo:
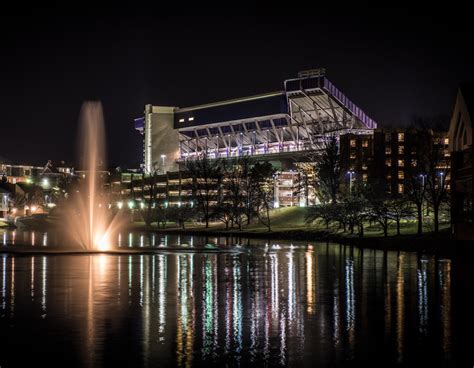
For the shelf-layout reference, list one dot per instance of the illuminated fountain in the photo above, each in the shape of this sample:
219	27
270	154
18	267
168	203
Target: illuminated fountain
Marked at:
90	223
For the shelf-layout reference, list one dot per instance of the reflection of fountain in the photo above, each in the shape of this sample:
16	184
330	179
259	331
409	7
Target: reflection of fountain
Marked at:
88	219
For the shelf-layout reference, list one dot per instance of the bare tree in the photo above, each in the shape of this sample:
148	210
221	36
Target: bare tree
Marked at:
324	213
399	209
180	214
224	213
416	173
207	175
238	188
145	191
328	170
262	177
428	175
437	181
378	204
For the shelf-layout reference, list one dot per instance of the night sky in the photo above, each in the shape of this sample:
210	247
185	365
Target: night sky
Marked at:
393	63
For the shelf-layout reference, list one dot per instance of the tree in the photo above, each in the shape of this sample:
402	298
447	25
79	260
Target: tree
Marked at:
145	192
180	214
416	173
328	170
207	175
429	172
224	213
306	177
323	212
237	186
378	204
354	212
437	181
262	179
399	209
161	216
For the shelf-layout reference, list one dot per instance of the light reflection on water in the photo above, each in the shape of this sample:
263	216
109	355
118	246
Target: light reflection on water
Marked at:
284	306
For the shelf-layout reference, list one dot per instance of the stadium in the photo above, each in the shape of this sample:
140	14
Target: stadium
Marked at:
279	127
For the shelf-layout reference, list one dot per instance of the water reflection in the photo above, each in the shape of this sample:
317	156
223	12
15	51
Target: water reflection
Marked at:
283	306
444	281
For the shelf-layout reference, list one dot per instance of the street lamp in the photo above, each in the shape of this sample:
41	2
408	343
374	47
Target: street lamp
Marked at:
423	176
351	173
163	162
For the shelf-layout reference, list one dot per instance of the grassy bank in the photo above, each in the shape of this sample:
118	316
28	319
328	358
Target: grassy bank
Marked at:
289	224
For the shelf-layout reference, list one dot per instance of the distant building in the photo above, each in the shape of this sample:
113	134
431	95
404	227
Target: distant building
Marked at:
462	171
386	156
47	174
17	181
20	173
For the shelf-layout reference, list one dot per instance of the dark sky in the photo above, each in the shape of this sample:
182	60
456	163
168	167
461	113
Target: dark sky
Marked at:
392	62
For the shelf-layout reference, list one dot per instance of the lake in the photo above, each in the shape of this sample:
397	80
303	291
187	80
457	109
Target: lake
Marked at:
275	303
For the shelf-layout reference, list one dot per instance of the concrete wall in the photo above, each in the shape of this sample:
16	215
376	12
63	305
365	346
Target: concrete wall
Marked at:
160	139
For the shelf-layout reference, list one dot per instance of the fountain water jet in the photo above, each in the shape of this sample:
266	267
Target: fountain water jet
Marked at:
89	221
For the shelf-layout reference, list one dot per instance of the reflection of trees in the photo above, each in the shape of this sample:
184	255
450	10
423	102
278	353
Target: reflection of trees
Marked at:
259	309
422	284
444	280
400	295
185	310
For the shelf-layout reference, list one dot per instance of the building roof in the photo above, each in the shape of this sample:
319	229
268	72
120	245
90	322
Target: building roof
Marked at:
231	110
461	133
467	90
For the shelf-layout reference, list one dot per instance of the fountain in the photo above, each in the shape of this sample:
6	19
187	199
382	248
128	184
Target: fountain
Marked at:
89	221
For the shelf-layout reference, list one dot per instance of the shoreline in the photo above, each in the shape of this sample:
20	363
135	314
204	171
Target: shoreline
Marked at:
438	244
441	244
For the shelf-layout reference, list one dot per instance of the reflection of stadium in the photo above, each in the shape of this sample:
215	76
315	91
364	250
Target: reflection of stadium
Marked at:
278	126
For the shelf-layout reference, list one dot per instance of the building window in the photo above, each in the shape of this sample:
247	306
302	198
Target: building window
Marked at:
364	167
388	137
365	143
401	137
388	150
353	155
389	177
401	150
413	162
364	178
388	162
446	141
181	120
353	142
401	174
400	188
401	163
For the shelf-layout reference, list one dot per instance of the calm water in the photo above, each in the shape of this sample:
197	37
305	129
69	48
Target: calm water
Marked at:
287	304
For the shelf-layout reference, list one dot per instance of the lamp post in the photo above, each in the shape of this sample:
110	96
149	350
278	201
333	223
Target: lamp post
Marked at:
351	173
163	162
422	176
